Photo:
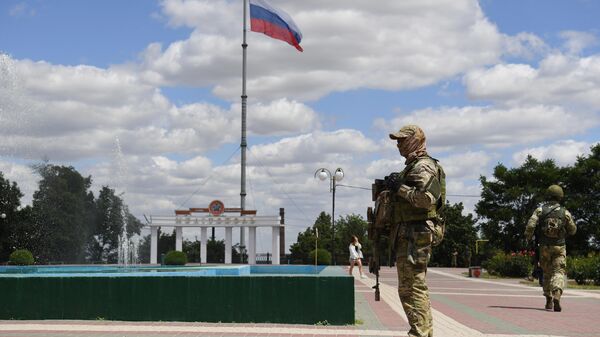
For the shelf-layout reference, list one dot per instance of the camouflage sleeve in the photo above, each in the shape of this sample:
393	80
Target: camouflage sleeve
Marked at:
415	182
532	223
571	227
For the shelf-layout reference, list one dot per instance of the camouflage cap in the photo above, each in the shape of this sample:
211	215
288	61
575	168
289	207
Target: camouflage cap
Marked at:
408	131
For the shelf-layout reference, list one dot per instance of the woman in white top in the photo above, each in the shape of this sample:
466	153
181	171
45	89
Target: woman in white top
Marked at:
355	256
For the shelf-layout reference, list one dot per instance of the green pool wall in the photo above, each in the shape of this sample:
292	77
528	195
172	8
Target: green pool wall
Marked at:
299	299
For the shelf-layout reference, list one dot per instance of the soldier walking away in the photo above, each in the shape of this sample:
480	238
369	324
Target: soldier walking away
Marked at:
454	262
468	256
555	223
407	207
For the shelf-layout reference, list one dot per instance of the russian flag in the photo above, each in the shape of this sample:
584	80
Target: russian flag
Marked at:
274	22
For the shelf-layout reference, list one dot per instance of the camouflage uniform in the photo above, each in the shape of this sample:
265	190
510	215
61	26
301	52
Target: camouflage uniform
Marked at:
552	247
413	226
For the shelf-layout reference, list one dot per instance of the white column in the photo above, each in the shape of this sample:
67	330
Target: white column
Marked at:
203	244
251	245
275	245
179	238
153	243
228	234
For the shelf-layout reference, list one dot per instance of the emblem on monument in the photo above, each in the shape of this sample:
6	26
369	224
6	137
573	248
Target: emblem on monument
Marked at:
216	208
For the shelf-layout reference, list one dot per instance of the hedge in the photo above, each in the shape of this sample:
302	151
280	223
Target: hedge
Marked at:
584	269
510	265
21	257
175	258
323	256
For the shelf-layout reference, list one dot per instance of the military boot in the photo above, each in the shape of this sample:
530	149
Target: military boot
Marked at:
556	301
548	302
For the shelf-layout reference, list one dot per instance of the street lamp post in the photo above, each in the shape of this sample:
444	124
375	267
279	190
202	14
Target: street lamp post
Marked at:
338	175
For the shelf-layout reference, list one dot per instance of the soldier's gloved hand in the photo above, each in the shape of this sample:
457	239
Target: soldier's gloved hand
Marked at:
403	191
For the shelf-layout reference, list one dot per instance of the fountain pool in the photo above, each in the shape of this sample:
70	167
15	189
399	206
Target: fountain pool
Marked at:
235	293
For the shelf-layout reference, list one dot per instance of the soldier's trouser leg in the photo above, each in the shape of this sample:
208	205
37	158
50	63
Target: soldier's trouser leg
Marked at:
413	293
554	263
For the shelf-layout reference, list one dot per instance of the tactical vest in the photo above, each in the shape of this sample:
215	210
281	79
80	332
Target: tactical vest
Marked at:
404	212
552	222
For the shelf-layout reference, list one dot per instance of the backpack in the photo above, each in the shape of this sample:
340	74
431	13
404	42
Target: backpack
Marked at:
439	224
552	221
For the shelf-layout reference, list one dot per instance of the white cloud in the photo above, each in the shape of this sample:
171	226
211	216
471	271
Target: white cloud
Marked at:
40	100
25	177
281	117
76	112
468	165
576	41
527	45
415	43
449	127
559	79
377	169
563	152
314	147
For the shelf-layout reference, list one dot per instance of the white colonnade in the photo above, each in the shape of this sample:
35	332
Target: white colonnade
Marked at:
206	221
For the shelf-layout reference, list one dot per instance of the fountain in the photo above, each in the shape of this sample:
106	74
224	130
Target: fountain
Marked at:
127	248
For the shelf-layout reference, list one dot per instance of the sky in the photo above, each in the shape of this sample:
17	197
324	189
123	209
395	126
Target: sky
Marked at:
144	96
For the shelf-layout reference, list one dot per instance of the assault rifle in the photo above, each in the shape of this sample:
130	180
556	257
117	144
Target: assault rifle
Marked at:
374	259
379	220
537	272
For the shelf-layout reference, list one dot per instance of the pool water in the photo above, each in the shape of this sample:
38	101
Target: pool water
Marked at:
100	271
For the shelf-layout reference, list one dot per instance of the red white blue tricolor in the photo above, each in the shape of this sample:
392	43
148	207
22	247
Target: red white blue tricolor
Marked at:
274	22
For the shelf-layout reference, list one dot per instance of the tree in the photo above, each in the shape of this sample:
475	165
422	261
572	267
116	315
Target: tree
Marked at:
460	234
10	202
192	250
215	252
508	200
134	225
111	217
166	243
582	192
305	243
62	213
345	227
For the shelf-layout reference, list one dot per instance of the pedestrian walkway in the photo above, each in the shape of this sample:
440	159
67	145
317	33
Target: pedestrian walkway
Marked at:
461	307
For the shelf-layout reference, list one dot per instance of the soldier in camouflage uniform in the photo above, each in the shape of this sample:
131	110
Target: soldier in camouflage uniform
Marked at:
555	223
416	225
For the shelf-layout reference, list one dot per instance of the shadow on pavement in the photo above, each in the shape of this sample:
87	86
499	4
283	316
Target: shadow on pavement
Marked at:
517	308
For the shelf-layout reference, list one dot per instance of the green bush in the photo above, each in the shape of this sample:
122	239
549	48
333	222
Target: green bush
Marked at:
21	257
584	270
510	265
323	256
175	258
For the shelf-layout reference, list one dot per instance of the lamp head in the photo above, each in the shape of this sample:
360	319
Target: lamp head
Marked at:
339	174
322	174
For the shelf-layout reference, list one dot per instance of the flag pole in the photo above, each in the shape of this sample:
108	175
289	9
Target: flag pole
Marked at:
243	143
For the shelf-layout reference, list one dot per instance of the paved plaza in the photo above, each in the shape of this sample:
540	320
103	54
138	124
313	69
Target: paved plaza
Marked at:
461	307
